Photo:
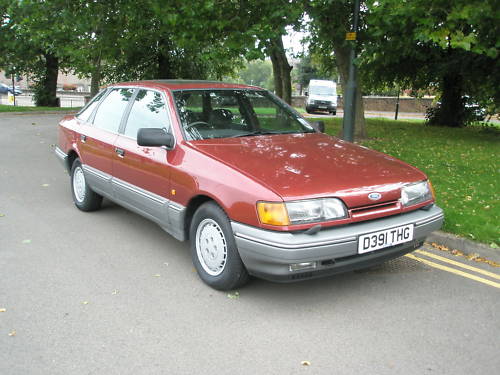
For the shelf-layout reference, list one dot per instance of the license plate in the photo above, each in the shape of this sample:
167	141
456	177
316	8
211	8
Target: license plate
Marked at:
322	107
385	238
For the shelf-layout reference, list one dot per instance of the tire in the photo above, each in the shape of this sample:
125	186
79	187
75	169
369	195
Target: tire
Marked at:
308	110
221	269
334	113
83	196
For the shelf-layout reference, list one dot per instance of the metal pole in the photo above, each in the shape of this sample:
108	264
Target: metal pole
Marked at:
13	90
397	106
352	85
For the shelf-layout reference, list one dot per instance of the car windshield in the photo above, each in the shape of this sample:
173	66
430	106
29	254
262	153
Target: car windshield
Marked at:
206	114
322	90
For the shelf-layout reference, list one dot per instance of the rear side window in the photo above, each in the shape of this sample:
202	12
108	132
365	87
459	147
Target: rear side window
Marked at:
110	112
148	111
85	114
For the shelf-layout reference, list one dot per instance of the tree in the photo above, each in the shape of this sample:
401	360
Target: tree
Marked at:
32	40
448	44
330	20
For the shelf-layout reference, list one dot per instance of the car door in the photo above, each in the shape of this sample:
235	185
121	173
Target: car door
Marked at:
97	137
141	174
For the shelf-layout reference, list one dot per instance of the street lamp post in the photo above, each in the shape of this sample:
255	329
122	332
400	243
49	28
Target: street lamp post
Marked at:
352	85
13	89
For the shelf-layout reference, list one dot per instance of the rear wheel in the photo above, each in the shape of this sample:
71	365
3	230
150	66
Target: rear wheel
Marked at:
213	249
83	196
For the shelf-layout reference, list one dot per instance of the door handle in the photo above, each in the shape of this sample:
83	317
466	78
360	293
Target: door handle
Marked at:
83	138
120	152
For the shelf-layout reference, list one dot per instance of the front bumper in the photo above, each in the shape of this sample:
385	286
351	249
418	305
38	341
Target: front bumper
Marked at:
268	254
330	107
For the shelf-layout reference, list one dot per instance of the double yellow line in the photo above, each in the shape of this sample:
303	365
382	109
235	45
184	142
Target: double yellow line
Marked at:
454	270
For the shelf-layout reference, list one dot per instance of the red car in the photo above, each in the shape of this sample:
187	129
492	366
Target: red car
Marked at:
254	187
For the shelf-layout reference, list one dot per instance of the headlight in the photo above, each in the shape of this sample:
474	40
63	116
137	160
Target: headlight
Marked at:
416	193
301	212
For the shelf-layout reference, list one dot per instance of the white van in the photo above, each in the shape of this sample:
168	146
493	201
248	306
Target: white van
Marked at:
322	96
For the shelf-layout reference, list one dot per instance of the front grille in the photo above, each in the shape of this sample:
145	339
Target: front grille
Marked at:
375	209
322	102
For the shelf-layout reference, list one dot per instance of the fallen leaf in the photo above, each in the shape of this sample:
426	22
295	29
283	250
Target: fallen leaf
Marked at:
156	275
114	292
12	333
26	241
166	263
2	215
33	123
234	295
3	310
457	253
472	256
45	185
85	302
305	363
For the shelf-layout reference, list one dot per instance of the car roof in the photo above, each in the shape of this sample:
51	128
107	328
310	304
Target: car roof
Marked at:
181	84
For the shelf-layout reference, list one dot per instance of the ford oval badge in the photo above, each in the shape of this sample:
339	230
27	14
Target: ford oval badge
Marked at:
374	196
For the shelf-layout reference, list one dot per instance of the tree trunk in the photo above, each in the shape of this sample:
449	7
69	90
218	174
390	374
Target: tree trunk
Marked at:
281	69
452	106
164	63
278	88
46	90
95	80
342	59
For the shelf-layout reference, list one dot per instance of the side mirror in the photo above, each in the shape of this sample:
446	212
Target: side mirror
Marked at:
154	137
306	93
319	126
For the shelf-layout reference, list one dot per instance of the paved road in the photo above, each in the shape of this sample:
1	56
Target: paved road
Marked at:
111	293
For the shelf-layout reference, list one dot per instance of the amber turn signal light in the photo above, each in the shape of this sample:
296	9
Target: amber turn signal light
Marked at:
273	213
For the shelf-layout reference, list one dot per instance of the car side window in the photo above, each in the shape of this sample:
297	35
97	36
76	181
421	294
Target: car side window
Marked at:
148	111
86	112
110	112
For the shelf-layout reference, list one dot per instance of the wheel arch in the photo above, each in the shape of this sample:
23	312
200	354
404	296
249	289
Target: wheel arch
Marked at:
194	203
72	155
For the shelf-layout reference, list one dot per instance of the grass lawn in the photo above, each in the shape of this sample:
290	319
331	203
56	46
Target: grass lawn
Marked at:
463	165
11	108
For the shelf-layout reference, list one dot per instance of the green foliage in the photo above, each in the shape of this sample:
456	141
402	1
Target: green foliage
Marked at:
257	73
431	43
461	163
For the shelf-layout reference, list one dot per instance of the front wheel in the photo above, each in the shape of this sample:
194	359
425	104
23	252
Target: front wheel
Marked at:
213	249
83	196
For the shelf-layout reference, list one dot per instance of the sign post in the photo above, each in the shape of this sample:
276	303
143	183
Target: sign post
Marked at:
13	89
352	85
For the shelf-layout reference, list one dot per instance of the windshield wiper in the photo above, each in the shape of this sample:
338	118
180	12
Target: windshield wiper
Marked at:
258	132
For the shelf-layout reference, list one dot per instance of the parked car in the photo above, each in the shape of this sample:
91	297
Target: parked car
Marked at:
254	187
4	89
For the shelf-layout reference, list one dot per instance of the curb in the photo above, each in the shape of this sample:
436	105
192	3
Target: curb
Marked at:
453	242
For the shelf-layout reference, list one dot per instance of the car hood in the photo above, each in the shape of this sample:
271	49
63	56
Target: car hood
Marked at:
301	166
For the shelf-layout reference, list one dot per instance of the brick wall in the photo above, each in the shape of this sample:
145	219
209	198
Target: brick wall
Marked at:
382	103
